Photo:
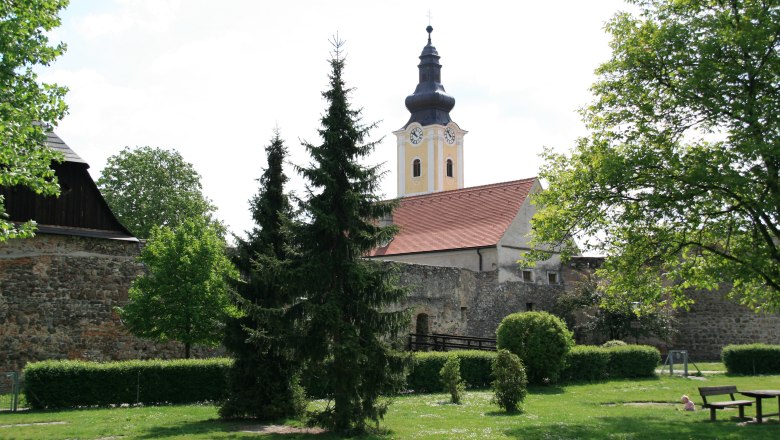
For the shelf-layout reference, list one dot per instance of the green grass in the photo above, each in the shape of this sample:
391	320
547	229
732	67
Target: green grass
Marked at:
705	367
626	409
708	366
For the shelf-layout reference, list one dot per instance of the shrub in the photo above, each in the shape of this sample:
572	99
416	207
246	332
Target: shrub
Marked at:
752	359
586	363
510	381
540	339
474	369
633	361
614	343
68	384
450	378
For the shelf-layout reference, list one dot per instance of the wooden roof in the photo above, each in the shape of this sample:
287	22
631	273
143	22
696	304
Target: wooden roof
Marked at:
57	144
458	219
79	210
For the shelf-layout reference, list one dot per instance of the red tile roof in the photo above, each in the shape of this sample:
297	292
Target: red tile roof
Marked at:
457	219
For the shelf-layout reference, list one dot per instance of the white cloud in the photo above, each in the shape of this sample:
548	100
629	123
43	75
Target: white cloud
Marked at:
212	79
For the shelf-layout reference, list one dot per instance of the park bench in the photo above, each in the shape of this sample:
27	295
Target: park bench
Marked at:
721	391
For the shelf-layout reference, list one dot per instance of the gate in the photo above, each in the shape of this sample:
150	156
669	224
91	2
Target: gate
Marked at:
10	386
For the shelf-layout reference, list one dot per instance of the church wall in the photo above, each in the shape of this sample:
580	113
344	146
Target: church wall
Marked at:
515	241
467	259
57	299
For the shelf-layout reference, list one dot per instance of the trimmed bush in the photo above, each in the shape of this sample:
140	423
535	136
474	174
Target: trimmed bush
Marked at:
450	378
68	384
540	339
751	359
614	343
510	381
633	361
474	369
586	363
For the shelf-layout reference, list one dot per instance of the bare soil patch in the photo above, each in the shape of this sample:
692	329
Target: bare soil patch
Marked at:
640	403
280	429
33	424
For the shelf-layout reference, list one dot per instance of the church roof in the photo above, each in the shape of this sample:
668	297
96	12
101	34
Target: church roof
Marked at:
458	219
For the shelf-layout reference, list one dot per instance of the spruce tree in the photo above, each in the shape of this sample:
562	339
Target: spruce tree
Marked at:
343	312
263	379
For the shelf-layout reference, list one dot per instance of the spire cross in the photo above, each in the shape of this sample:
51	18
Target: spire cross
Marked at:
429	28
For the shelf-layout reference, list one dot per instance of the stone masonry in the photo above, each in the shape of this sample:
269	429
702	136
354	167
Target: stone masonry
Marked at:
58	293
57	299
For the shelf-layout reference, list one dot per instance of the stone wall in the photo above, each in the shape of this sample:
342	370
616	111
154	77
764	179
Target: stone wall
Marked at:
714	321
462	302
57	299
58	293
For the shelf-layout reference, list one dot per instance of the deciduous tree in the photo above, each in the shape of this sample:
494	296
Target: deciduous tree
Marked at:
184	294
147	187
677	184
343	311
27	108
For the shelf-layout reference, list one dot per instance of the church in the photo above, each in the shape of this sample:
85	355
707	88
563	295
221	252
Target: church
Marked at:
460	245
483	228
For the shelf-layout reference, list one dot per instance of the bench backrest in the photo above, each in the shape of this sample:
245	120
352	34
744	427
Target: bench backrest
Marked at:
717	391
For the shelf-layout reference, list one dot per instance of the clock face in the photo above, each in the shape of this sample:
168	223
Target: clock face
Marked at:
417	135
449	135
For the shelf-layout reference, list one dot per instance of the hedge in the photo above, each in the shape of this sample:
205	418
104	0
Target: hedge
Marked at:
475	369
68	384
586	363
592	363
632	361
751	359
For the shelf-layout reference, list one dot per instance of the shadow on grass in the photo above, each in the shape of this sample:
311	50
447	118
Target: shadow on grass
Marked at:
502	413
646	428
242	429
545	389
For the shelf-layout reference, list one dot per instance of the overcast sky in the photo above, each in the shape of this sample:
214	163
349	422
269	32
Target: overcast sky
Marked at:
212	79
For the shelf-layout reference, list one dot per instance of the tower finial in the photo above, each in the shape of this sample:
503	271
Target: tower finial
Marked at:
429	29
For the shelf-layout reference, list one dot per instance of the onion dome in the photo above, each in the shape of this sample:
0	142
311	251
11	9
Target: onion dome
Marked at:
430	103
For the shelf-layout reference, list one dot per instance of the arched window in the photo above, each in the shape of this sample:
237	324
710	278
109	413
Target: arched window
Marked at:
416	169
449	168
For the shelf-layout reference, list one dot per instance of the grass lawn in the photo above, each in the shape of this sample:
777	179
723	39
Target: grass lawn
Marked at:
640	409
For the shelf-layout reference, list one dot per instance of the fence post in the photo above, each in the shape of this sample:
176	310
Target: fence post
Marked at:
14	391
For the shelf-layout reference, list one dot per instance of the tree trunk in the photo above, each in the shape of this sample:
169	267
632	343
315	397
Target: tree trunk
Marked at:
187	346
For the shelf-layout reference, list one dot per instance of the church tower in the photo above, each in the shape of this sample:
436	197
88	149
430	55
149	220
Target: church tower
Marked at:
430	144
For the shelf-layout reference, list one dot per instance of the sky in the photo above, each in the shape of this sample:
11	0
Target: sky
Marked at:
212	79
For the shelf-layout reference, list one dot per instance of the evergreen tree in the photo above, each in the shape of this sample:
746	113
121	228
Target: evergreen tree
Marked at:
263	379
342	313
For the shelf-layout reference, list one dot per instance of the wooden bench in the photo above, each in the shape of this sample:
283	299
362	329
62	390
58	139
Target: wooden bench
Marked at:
720	391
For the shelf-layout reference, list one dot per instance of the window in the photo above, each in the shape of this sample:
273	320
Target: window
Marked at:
529	307
449	167
552	277
528	276
416	169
